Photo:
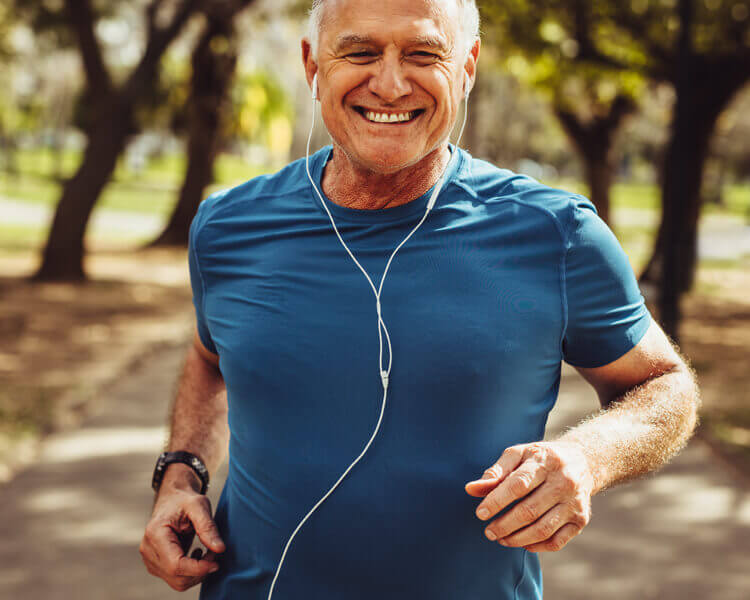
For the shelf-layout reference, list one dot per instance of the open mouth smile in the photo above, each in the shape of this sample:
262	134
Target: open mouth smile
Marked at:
389	118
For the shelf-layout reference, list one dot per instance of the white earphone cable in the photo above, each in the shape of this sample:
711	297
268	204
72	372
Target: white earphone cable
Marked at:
384	373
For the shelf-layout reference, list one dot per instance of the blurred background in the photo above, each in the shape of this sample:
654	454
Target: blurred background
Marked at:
118	118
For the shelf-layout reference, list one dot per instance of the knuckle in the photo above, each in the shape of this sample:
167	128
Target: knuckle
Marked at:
513	451
546	529
519	484
568	482
527	512
555	544
554	460
580	520
494	471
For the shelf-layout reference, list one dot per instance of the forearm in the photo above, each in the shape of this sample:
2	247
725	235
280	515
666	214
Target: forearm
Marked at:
198	419
639	431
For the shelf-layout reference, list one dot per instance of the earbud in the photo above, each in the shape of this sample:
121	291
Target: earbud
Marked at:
467	85
315	87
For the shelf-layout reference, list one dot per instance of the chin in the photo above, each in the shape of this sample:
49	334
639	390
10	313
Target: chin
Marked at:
388	158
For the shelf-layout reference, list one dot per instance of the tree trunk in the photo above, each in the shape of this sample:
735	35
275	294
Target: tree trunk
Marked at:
62	259
213	70
112	122
703	87
594	141
674	259
599	171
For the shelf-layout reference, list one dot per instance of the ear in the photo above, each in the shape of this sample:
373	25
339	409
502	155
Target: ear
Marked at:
308	61
470	67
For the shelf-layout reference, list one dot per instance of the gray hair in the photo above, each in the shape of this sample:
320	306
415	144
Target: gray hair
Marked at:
468	17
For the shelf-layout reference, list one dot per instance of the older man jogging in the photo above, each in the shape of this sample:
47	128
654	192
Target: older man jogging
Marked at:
382	324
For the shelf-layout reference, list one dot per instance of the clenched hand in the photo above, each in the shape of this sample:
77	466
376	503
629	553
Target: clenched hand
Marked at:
177	517
552	483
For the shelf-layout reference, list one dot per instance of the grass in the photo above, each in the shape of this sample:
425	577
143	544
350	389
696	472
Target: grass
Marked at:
646	196
152	191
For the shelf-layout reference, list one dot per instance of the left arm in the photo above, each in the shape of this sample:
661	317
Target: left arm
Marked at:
650	399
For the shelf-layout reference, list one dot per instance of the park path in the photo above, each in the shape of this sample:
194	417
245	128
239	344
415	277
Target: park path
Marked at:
71	524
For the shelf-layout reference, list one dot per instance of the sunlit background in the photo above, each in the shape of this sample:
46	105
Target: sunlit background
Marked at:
118	118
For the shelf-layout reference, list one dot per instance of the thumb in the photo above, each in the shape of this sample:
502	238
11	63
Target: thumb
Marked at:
205	528
489	481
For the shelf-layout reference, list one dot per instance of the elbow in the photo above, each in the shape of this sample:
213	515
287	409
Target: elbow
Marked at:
691	398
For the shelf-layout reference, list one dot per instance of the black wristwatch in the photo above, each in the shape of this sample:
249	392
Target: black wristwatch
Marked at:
191	460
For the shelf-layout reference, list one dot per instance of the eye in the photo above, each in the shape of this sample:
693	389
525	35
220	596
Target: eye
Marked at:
363	56
423	57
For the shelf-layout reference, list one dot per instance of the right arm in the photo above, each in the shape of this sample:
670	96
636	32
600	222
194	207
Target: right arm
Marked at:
198	425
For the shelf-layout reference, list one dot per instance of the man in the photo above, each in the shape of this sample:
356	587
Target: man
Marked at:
503	279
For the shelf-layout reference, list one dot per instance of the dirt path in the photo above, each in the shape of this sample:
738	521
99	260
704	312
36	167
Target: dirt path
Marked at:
72	523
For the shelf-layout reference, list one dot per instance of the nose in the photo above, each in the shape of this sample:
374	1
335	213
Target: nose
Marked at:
389	82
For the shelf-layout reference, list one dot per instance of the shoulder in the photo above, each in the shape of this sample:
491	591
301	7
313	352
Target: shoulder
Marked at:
251	194
492	186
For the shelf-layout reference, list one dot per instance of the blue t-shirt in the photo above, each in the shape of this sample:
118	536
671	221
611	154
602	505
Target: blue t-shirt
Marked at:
504	280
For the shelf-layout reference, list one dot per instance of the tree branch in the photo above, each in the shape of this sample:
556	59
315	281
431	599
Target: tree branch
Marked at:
82	21
589	52
638	29
158	41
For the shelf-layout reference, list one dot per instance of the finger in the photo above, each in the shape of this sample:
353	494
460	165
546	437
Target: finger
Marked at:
525	513
509	461
557	541
481	487
199	514
516	485
541	530
172	560
189	567
182	584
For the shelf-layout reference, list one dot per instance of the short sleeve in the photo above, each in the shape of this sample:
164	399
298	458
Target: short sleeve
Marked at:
606	312
197	282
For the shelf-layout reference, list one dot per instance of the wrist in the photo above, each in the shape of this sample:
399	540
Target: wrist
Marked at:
179	476
595	471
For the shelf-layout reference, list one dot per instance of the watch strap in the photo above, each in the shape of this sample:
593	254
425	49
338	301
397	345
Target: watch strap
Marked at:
167	458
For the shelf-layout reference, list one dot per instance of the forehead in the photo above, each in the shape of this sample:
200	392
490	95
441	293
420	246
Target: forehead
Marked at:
436	20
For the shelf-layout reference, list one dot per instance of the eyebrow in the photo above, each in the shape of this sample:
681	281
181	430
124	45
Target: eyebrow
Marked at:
353	39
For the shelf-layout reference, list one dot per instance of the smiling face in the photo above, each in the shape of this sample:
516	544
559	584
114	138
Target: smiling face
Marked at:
391	78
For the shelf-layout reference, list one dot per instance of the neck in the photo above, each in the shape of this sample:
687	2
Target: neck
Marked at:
351	185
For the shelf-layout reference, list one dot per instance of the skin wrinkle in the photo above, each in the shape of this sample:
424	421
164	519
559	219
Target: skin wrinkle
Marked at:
382	168
433	10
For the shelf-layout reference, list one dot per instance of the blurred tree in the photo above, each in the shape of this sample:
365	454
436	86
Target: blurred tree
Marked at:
264	112
110	116
10	111
700	47
590	102
593	135
214	61
510	124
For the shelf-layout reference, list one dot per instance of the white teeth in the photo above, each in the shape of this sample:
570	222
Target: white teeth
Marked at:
389	118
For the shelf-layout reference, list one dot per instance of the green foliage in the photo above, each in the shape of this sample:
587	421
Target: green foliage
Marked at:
263	111
538	45
637	35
